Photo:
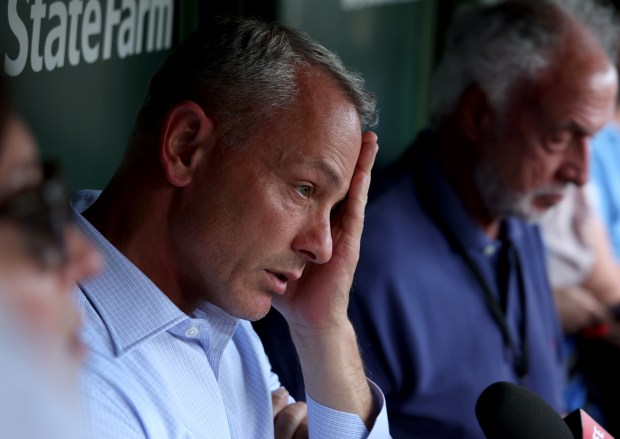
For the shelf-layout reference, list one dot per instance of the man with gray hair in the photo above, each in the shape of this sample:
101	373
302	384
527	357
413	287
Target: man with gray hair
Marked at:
244	184
451	292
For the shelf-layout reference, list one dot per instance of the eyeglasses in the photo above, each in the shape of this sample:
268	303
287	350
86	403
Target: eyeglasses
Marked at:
42	213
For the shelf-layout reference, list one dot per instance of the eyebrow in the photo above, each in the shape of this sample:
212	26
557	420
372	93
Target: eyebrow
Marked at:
329	170
578	128
334	177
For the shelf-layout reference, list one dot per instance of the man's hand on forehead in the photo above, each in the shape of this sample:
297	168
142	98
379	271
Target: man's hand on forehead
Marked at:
320	298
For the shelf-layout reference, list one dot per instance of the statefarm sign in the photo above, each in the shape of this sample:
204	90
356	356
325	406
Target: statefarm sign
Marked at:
52	35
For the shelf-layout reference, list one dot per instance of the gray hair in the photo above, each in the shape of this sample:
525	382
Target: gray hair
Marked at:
498	45
242	71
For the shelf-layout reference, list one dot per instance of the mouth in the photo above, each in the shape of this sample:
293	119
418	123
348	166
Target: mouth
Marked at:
280	280
549	200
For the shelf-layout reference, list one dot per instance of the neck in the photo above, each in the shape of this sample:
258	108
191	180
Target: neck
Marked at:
456	156
132	214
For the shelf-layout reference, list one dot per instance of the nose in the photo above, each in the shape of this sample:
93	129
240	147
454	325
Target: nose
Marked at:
314	240
575	168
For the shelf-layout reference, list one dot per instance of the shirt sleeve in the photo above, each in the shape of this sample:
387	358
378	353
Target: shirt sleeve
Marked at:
327	423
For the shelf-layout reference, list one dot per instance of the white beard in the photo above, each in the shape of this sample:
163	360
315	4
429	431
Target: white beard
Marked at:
502	201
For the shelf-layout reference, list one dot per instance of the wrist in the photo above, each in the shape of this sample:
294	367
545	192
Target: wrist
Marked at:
337	329
332	369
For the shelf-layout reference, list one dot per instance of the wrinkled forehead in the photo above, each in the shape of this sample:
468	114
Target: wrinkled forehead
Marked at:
578	68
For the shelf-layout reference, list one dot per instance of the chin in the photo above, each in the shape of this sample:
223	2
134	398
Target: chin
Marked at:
256	317
525	207
534	217
530	214
251	316
252	310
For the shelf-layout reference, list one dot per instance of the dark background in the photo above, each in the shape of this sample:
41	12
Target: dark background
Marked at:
82	115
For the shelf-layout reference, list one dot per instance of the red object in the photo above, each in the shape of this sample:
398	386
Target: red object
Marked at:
584	427
597	331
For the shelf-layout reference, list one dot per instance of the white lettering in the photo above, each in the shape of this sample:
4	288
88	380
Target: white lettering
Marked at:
58	34
85	30
113	18
14	67
75	9
91	25
143	9
37	12
127	30
598	434
158	9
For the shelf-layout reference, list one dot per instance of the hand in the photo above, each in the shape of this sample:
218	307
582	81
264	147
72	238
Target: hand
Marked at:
319	299
290	420
578	309
315	307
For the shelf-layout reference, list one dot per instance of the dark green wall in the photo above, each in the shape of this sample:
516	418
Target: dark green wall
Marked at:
80	114
83	114
391	44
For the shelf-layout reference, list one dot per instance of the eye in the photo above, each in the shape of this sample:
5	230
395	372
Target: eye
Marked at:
305	190
559	140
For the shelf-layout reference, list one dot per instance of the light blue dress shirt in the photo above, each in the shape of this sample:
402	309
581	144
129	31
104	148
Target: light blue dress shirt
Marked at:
155	372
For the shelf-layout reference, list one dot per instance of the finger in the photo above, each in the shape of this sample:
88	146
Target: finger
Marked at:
302	430
360	183
368	152
358	191
289	420
279	399
597	312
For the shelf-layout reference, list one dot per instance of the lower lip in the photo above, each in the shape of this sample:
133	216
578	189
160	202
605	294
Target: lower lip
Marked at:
278	285
550	200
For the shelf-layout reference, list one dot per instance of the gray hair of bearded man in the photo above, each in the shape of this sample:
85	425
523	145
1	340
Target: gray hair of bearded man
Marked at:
498	45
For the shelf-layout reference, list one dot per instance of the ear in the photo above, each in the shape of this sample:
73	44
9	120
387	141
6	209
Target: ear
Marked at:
475	114
186	136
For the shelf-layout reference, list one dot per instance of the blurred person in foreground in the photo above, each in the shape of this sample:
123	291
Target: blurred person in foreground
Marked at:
244	183
41	257
451	292
585	279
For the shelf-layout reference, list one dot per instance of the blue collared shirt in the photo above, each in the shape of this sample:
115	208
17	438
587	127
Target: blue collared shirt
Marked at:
426	332
155	372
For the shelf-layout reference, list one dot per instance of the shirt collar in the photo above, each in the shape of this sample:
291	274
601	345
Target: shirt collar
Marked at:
130	305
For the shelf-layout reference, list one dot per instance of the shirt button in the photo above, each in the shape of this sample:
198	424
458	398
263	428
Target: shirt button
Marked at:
192	332
489	250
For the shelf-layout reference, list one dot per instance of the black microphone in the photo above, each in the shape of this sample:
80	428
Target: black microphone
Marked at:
508	411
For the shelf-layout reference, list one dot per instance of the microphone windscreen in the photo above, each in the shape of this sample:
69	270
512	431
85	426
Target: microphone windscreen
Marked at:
508	411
